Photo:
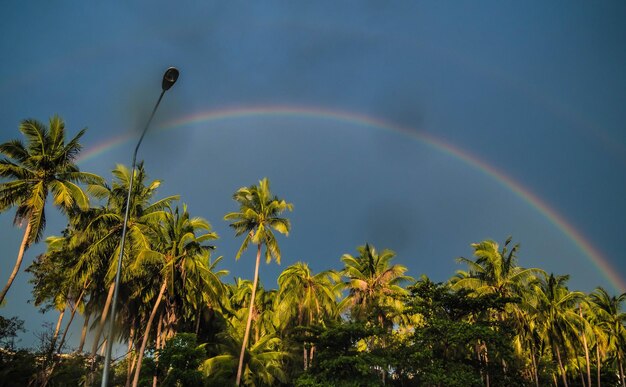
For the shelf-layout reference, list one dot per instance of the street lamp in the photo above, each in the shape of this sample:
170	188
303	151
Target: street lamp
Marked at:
169	78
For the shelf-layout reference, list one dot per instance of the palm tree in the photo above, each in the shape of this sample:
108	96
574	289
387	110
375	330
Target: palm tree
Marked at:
103	233
313	297
181	257
52	272
264	319
307	299
494	271
374	285
265	365
558	320
45	164
611	319
258	214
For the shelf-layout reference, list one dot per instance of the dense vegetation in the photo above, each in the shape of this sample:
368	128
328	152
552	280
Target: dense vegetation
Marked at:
363	323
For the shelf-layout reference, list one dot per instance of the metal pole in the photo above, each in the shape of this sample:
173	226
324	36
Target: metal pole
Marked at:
170	77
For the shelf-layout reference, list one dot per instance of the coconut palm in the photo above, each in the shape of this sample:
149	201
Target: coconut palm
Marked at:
263	316
306	299
259	214
374	285
558	320
495	270
44	165
312	298
181	256
265	365
611	319
103	232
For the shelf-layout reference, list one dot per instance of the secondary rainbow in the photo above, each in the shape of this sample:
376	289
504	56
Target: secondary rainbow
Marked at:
554	217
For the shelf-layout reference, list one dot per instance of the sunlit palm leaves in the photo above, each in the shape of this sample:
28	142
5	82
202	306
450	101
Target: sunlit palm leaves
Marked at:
30	171
307	298
259	214
610	318
374	285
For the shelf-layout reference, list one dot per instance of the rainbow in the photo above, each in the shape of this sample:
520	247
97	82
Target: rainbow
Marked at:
526	195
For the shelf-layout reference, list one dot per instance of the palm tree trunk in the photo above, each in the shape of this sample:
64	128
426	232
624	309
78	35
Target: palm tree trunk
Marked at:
133	356
621	367
103	319
561	368
57	329
305	353
479	356
580	311
487	381
49	362
249	322
67	328
580	372
598	361
72	314
170	322
159	345
534	363
18	262
83	334
147	333
198	320
104	345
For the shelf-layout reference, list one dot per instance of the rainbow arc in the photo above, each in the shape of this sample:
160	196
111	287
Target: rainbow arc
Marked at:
212	116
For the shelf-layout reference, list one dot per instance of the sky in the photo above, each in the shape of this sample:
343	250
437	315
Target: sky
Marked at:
420	127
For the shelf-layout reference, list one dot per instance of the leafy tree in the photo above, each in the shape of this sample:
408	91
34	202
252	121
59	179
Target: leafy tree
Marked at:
45	164
342	359
17	368
442	348
180	359
9	329
69	371
259	214
53	283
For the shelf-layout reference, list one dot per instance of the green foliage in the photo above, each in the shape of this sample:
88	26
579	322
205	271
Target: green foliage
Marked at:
9	329
444	351
179	361
264	361
17	368
341	360
69	370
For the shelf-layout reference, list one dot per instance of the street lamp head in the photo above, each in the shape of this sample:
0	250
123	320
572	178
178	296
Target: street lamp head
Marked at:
169	78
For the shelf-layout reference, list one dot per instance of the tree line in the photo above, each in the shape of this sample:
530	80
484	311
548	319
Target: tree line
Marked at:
366	323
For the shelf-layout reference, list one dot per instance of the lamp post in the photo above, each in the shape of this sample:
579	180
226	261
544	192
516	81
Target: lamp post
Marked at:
169	78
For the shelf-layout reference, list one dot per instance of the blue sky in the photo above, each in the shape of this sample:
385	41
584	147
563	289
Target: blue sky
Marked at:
533	89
